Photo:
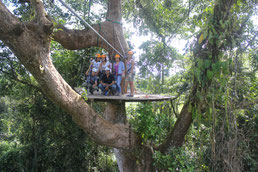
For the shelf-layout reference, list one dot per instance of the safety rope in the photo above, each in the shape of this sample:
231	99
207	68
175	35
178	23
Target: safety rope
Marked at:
113	60
117	22
114	33
121	46
87	24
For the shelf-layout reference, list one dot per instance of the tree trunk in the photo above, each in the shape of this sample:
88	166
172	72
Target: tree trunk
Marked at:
138	160
30	42
127	161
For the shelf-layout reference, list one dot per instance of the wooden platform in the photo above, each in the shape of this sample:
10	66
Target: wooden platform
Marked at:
135	98
140	97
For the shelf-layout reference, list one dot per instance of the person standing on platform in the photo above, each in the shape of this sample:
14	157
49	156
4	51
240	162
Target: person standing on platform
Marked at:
94	64
119	70
107	83
104	64
130	73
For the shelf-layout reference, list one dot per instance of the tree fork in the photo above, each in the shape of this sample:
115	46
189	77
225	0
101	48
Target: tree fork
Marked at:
33	50
87	37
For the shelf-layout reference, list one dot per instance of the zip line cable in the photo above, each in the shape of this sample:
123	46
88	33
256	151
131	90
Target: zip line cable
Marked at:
87	24
121	46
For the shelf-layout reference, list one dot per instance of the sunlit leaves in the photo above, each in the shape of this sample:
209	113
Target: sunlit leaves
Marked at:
156	57
178	158
164	18
151	121
201	38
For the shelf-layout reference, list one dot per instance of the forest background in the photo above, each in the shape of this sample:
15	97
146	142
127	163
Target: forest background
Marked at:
37	135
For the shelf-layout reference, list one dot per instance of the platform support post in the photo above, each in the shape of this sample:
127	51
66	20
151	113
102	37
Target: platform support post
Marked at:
115	112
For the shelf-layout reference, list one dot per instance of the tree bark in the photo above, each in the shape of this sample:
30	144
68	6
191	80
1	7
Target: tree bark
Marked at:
115	113
177	134
138	159
111	30
30	42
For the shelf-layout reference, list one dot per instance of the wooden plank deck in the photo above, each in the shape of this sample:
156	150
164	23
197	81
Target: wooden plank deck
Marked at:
135	98
138	97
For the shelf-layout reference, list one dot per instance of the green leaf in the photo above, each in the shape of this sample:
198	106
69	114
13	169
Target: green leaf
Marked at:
210	74
201	39
200	64
207	63
205	34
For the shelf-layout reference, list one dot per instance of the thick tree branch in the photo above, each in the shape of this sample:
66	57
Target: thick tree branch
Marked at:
39	10
79	39
41	16
177	134
114	11
33	51
111	30
9	24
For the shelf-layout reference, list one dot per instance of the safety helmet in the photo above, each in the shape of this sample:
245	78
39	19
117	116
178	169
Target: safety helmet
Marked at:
98	55
117	56
130	52
103	56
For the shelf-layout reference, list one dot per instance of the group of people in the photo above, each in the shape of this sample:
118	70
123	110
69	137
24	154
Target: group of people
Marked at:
108	77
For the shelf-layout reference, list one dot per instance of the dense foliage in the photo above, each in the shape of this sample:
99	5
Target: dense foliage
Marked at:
220	62
36	135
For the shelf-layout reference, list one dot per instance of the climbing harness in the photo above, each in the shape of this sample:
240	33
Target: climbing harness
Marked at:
88	25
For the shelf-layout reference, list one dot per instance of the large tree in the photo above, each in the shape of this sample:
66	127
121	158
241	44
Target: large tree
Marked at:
30	42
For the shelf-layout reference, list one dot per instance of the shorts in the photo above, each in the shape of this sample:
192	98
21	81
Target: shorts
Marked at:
130	77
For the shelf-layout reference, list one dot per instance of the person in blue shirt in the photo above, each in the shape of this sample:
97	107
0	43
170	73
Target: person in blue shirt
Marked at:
119	71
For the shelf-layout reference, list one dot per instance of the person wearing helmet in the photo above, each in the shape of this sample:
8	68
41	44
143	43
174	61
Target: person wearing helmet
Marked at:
94	64
118	69
104	64
130	73
92	81
107	83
